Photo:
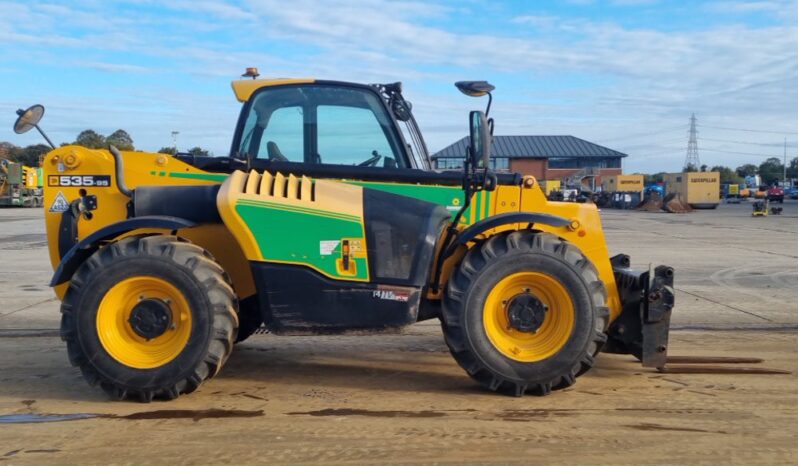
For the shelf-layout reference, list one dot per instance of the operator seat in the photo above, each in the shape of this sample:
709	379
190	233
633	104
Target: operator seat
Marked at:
274	152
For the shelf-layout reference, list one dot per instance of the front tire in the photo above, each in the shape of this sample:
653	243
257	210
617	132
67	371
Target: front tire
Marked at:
525	312
149	317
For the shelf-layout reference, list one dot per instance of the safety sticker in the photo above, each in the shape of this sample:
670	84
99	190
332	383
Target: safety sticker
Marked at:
326	247
60	204
356	245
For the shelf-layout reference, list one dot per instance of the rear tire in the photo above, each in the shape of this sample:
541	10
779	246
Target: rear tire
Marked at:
515	360
178	279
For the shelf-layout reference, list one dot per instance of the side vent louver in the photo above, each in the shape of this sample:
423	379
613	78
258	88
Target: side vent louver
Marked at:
280	186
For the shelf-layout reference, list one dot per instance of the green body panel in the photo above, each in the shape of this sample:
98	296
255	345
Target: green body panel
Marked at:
450	197
299	233
301	230
220	177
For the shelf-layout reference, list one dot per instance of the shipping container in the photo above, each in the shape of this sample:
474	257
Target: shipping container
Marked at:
550	186
622	183
699	189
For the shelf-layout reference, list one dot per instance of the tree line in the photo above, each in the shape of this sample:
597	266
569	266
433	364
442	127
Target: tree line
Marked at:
121	139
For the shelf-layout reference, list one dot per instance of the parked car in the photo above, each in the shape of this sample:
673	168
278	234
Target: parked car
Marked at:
792	193
776	194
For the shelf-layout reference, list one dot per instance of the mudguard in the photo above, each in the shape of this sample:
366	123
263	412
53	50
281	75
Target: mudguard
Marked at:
499	220
85	248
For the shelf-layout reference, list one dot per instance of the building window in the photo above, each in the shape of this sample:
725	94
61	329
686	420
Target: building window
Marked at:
500	163
448	164
496	163
585	162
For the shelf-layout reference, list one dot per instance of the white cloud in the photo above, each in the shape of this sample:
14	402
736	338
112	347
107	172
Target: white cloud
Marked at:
115	67
743	75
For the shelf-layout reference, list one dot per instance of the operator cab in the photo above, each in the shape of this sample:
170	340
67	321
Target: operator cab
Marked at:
329	123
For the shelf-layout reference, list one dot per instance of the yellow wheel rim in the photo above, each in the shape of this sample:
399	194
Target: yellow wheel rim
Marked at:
117	334
552	334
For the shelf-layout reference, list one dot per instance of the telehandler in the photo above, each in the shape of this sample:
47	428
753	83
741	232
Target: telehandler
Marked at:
326	217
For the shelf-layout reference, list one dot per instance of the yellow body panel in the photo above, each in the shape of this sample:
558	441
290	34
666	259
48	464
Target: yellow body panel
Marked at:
244	88
141	169
324	197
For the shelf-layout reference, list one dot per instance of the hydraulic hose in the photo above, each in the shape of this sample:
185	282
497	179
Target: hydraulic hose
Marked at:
120	172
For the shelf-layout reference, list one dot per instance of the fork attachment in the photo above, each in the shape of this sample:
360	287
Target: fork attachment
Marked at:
647	300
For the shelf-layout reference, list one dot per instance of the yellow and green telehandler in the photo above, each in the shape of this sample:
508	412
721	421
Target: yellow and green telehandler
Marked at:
326	217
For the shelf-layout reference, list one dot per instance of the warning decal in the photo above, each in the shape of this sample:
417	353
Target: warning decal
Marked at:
327	247
60	204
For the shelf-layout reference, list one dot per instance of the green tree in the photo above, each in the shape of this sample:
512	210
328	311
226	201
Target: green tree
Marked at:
727	175
792	168
29	155
199	151
703	167
90	139
121	140
749	169
771	170
654	178
167	150
690	168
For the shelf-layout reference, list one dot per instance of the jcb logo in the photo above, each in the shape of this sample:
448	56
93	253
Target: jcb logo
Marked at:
66	181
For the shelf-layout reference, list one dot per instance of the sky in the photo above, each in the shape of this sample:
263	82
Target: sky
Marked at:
626	74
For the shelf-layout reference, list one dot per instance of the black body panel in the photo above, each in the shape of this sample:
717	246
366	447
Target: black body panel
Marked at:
401	234
195	203
297	299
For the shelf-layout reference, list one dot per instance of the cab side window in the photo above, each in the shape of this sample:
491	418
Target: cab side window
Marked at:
274	134
352	136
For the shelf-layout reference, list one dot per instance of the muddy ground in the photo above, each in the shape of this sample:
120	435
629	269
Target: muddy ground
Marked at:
402	399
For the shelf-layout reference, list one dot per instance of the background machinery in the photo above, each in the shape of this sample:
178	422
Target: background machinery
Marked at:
326	218
20	185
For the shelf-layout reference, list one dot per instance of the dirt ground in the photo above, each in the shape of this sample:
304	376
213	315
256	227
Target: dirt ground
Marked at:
402	399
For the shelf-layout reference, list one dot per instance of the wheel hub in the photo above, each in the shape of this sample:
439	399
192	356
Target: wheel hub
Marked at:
526	313
150	318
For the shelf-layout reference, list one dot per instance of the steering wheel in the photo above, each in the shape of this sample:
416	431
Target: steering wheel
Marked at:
375	157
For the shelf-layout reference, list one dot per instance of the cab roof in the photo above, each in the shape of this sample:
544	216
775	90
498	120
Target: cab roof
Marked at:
244	88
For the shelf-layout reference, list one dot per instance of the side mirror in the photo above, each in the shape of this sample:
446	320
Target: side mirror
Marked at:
474	88
28	119
480	139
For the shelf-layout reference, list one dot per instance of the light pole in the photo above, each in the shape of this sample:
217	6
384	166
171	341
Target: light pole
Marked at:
174	140
785	162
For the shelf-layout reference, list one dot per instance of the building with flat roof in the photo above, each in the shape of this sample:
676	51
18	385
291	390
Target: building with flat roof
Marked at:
544	157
